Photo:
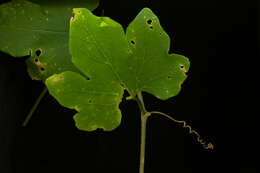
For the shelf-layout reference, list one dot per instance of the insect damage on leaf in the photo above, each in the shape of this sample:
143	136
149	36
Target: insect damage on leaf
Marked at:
137	60
38	52
29	24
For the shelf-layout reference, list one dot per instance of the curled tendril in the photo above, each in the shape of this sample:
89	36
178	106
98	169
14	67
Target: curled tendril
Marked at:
191	131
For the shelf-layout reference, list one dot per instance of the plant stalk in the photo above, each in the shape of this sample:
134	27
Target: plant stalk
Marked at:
142	146
144	116
30	114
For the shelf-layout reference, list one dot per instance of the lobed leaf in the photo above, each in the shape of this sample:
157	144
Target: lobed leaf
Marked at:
111	61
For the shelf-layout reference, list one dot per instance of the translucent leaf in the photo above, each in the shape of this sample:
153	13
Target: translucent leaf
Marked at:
39	29
111	61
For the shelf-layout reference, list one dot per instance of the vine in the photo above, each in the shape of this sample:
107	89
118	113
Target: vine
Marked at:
99	62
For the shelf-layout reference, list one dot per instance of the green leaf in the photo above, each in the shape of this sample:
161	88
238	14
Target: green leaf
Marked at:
112	61
39	29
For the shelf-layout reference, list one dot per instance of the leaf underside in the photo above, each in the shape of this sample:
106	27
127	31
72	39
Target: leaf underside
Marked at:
110	61
40	29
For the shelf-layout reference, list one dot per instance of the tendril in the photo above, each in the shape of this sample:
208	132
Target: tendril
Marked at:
191	131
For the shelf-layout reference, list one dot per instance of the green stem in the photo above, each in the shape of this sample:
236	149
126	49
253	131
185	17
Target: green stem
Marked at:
140	102
142	146
144	116
29	116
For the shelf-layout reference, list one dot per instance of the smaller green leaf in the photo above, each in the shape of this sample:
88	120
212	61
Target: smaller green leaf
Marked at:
41	30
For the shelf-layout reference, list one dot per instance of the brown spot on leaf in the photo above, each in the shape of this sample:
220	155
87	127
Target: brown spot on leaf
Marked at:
36	78
183	68
39	64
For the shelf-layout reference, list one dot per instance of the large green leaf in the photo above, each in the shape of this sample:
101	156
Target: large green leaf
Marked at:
112	61
40	29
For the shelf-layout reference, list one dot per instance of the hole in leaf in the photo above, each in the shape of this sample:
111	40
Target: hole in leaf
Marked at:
132	41
36	60
149	21
42	69
151	27
38	52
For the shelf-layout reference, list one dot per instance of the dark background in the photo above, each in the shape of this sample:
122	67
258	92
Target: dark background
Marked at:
219	99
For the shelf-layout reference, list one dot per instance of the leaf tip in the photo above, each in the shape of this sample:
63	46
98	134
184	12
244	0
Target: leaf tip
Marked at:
146	10
146	13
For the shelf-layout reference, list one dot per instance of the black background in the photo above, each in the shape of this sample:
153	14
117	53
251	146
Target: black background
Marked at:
218	99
